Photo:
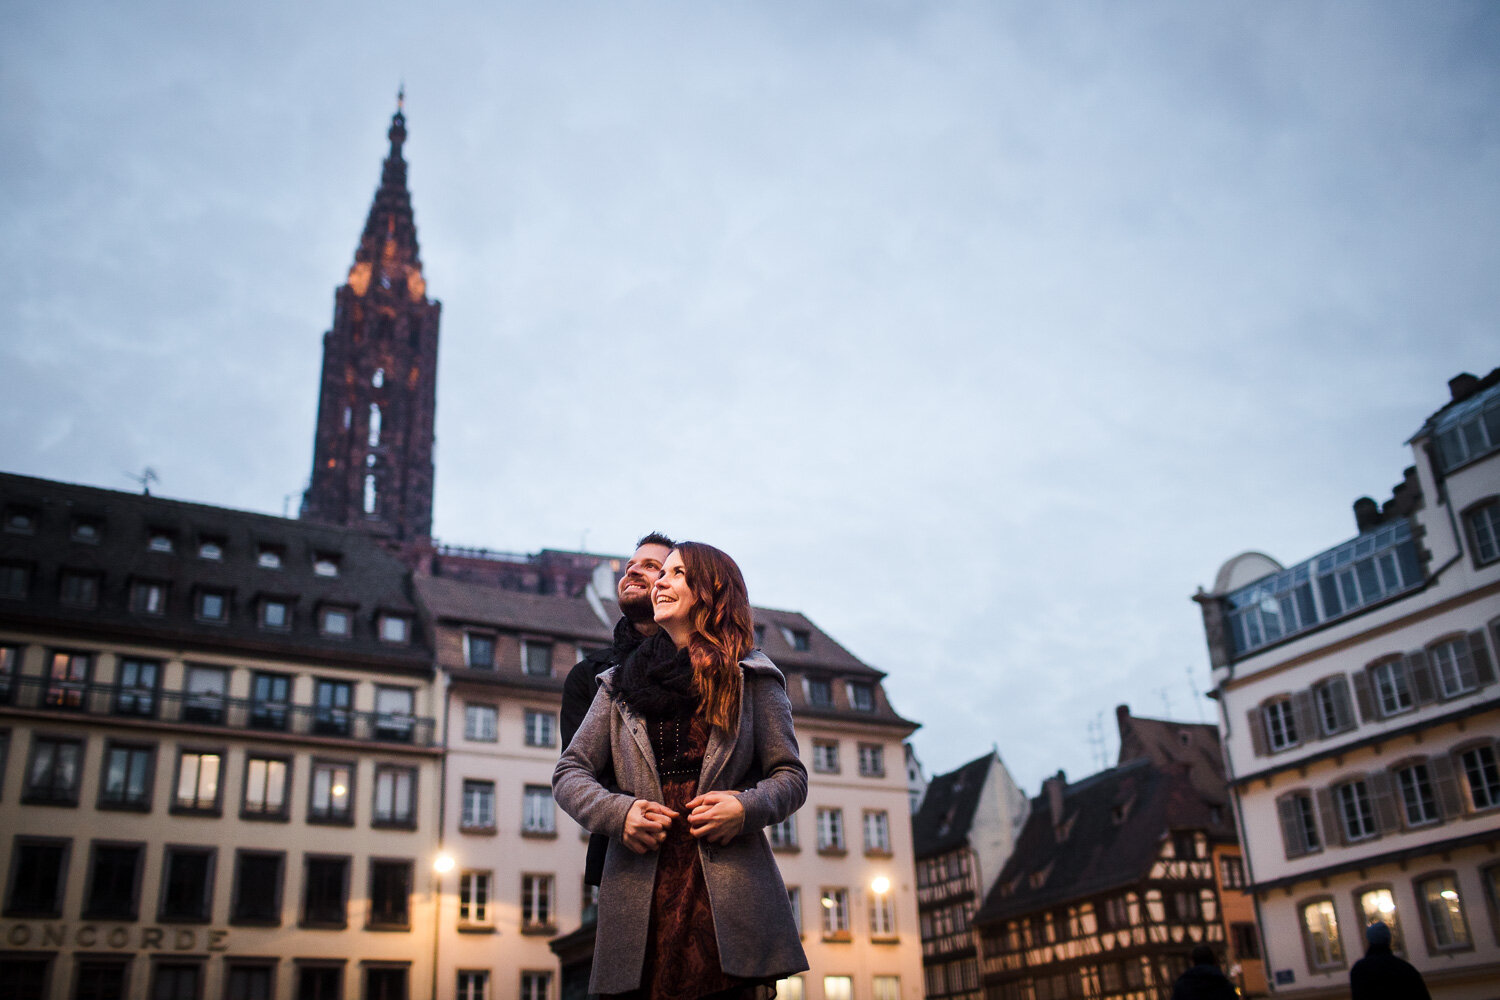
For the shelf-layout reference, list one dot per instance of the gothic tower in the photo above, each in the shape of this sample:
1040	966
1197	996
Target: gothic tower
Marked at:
372	455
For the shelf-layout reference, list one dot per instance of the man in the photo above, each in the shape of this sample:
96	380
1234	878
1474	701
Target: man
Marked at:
1381	974
635	625
1204	981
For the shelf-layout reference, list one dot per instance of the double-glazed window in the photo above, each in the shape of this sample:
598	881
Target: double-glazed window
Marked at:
882	915
536	902
395	795
68	679
265	787
877	832
541	728
473	984
1481	777
478	806
481	723
394	713
1443	913
861	696
1392	686
126	781
331	792
270	700
1453	661
206	691
331	707
1320	934
1331	700
135	687
1379	903
872	760
538	815
479	651
819	692
830	829
1483	523
1356	811
536	986
1418	800
536	658
52	774
197	781
783	835
826	756
835	905
474	897
1281	724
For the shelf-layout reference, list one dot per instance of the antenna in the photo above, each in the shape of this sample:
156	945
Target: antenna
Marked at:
1166	702
1197	695
286	504
146	477
1096	742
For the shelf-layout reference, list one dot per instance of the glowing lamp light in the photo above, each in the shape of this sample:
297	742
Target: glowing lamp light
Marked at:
339	791
1387	906
443	863
827	902
1448	894
881	885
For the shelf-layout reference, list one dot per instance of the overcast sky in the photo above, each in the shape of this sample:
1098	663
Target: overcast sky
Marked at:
981	333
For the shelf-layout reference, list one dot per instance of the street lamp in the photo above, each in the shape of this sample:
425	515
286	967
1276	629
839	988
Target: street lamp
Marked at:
443	863
881	885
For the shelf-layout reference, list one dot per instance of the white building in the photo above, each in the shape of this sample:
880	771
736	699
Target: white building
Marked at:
1360	717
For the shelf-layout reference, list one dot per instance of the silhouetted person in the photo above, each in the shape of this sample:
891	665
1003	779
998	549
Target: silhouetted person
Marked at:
1204	981
1381	975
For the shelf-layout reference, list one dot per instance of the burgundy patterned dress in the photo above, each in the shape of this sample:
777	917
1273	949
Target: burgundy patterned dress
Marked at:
682	953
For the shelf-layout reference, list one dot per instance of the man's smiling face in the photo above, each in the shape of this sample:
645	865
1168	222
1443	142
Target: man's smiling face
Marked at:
634	588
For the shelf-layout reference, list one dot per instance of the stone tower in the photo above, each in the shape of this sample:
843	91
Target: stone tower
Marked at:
372	454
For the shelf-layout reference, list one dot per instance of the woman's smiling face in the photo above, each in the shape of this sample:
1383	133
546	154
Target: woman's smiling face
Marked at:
671	597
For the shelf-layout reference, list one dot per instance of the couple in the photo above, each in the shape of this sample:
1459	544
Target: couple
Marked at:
685	754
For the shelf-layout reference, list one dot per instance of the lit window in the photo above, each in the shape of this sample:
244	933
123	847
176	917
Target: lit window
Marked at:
1443	913
872	760
481	723
1417	800
830	829
1379	904
1392	689
479	651
197	782
835	904
1320	926
265	787
474	897
370	496
372	440
883	915
1481	776
541	728
888	987
68	680
330	800
536	658
1232	872
1356	811
394	628
826	756
268	558
1484	531
784	834
536	902
1281	727
478	811
792	987
538	815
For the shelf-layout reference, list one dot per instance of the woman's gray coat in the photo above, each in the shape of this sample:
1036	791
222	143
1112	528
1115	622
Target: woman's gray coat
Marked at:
753	922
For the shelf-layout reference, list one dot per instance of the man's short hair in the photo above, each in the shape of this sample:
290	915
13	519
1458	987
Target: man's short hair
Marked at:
1204	955
1378	934
656	538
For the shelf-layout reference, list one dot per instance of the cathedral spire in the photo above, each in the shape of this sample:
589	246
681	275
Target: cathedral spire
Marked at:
388	251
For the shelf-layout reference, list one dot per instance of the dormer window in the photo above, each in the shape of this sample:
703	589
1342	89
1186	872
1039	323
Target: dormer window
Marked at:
21	520
326	565
819	692
88	530
395	628
79	589
799	639
160	541
213	606
862	696
275	613
269	557
148	597
337	622
211	549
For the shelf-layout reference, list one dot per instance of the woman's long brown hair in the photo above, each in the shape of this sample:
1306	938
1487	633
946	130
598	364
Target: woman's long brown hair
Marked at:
722	630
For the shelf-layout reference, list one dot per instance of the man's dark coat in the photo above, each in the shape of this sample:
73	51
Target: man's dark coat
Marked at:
1381	975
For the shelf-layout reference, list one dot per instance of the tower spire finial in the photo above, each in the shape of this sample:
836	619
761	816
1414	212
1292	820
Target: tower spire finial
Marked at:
401	97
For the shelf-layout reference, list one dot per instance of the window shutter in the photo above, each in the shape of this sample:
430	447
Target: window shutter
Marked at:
1291	827
1342	710
1421	677
1256	723
1484	669
1305	717
1445	786
1386	815
1328	813
1363	697
1464	660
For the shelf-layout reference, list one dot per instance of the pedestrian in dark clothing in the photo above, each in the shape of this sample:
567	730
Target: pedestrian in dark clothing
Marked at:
1204	981
1380	975
635	625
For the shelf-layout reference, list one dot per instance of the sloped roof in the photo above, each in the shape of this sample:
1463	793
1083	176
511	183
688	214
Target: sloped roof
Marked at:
1194	744
483	604
948	808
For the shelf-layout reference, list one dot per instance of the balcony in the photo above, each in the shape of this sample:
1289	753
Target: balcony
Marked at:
209	709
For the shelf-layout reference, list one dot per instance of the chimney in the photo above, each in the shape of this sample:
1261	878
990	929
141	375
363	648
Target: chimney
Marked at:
1053	787
1366	514
1462	386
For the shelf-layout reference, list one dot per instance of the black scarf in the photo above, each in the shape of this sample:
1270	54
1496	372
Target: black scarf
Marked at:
627	638
657	679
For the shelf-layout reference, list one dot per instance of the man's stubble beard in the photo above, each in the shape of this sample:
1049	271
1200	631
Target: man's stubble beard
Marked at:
639	612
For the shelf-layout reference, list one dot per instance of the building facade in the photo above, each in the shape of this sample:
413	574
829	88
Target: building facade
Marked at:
1360	721
963	834
218	754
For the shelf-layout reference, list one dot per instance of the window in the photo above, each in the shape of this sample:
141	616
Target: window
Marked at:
1356	812
536	658
126	781
275	614
390	894
536	986
15	580
1379	904
26	976
249	981
10	667
1481	777
1281	726
536	902
187	885
257	887
1443	913
877	832
1232	873
325	890
541	728
479	651
395	795
79	589
325	564
835	904
213	606
211	549
1484	531
331	701
1335	714
474	897
53	774
20	520
38	870
830	830
175	980
794	899
872	760
265	788
148	597
68	680
1453	663
799	639
1320	929
1418	804
1246	941
783	835
1299	830
1468	429
826	756
270	699
320	982
882	915
481	723
100	979
197	782
160	541
394	719
819	692
372	494
394	628
1392	687
861	696
889	988
335	622
330	800
87	529
206	687
479	806
385	982
135	687
268	557
473	984
538	815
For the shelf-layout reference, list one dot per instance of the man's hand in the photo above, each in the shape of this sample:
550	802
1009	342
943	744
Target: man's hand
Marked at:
718	816
646	825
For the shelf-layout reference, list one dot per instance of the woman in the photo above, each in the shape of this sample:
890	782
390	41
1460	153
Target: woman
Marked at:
697	730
